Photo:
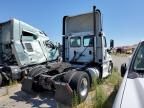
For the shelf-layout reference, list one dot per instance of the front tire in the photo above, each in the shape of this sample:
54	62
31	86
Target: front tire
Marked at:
110	68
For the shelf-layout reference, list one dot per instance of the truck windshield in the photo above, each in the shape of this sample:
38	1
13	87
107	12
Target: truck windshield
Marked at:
139	59
75	41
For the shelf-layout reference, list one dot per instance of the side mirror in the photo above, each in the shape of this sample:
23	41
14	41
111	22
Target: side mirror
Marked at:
109	51
111	43
123	69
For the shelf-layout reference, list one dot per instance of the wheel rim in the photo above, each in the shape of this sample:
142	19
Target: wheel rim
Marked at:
83	87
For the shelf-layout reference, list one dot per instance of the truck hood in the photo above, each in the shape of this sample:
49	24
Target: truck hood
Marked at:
133	95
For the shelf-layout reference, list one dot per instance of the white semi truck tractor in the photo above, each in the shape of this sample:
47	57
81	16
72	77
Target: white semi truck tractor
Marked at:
85	48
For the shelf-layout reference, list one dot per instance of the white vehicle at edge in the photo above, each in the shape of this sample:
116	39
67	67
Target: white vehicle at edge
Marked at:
130	94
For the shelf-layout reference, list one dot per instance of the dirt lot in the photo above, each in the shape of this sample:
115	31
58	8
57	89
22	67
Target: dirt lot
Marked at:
19	99
118	60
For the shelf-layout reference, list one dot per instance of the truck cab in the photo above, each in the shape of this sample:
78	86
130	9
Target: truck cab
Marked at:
84	42
24	44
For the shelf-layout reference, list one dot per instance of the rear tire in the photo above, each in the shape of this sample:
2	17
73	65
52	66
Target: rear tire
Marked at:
37	88
80	83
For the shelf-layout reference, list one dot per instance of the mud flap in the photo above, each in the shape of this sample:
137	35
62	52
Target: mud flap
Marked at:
27	84
63	93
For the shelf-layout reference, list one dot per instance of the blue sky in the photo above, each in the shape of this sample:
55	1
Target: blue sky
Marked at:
123	20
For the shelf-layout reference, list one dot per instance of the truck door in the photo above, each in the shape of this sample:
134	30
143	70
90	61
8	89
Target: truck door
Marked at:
105	57
88	42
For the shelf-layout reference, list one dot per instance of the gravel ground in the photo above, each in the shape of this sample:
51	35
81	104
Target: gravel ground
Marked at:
19	99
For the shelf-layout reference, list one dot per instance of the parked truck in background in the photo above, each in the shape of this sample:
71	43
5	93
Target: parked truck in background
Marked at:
85	56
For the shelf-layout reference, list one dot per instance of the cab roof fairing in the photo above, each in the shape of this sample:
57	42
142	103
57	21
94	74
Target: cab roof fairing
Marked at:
27	27
74	24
